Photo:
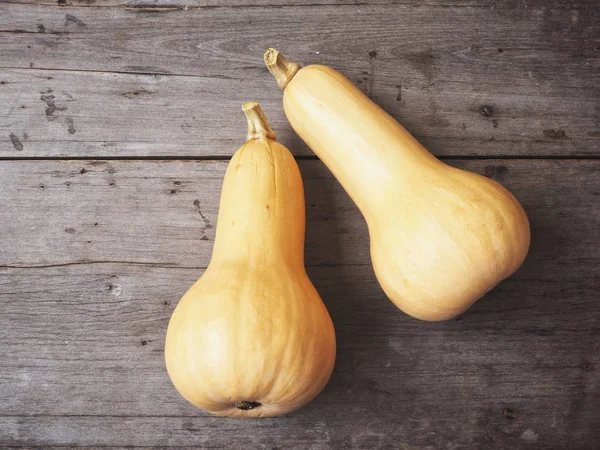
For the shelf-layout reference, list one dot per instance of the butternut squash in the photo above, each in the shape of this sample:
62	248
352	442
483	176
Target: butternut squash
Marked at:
440	237
252	338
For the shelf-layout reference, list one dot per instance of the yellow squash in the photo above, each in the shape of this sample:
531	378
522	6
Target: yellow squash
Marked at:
252	338
440	237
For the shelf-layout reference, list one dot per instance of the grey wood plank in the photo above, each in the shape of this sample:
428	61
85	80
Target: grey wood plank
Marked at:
158	5
432	44
415	427
164	212
47	113
86	342
536	68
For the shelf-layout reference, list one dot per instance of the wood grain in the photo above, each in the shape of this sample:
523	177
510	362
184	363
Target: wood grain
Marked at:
521	83
164	212
428	44
361	4
93	114
377	421
94	254
94	262
71	332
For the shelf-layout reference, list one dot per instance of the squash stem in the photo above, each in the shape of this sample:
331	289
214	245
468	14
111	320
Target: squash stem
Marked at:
281	68
258	125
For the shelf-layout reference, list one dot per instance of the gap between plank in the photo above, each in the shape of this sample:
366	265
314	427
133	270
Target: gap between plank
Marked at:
153	8
150	7
161	416
297	157
222	77
124	72
155	265
112	446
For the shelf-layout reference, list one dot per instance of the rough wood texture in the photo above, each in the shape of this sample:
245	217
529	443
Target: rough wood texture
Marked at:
557	49
164	212
83	329
75	114
94	255
361	4
522	82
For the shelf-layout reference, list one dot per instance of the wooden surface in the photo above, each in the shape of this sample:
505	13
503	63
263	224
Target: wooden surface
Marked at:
127	81
116	121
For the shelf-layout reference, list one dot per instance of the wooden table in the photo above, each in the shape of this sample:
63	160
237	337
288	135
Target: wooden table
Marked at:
117	119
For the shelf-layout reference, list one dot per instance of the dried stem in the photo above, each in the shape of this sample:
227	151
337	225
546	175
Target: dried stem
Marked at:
258	125
281	68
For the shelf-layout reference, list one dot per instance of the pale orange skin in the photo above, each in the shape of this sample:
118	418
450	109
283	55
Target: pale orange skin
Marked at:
440	237
253	328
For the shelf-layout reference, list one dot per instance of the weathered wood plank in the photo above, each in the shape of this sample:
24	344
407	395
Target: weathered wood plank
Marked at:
432	44
464	424
536	68
88	341
190	4
157	212
69	331
82	114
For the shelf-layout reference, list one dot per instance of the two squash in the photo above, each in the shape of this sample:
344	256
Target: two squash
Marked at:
252	338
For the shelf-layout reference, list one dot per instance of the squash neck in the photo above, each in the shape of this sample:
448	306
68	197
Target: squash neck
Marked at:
261	215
